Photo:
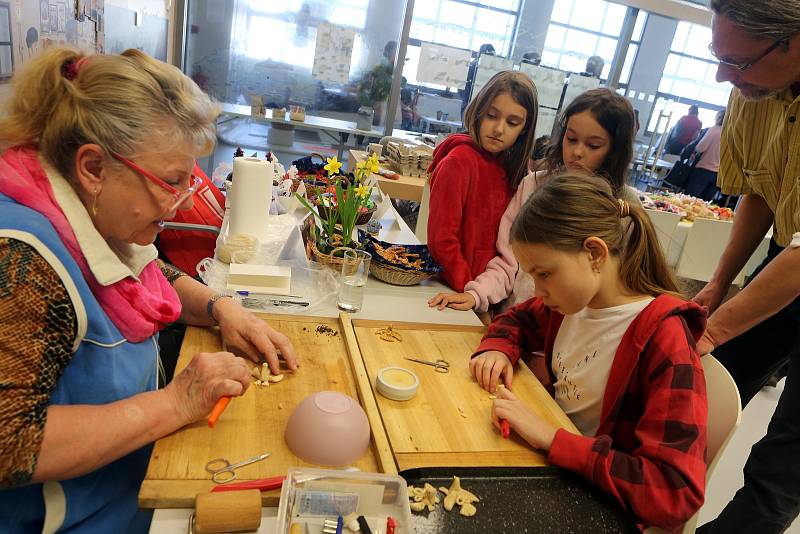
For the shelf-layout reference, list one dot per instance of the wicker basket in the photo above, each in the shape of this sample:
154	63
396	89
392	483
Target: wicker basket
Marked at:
396	276
328	260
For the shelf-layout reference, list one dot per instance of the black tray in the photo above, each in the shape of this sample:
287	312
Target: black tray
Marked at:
519	499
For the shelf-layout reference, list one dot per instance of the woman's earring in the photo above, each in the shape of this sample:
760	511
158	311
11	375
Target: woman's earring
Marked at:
94	203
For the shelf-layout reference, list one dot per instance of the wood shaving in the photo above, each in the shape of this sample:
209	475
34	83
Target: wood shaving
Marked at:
455	494
397	254
274	378
254	372
492	397
389	334
425	497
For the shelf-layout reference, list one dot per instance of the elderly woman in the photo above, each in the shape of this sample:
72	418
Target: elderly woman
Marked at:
99	151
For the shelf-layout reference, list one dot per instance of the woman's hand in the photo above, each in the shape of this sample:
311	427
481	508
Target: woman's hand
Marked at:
244	332
527	424
209	376
457	301
488	367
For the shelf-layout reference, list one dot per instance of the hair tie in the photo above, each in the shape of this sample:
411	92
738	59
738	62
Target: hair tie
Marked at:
624	208
71	67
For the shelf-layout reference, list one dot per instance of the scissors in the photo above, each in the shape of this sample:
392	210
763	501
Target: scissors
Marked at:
222	471
440	366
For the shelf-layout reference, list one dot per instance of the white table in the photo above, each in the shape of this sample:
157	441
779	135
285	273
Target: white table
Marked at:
336	129
426	123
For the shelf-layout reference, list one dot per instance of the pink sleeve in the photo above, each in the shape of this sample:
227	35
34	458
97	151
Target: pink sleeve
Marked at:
497	281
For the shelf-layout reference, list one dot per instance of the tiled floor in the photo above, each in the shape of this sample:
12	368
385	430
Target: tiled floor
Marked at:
727	477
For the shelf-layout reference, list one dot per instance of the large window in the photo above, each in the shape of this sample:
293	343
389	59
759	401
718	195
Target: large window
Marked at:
690	77
6	59
465	24
580	29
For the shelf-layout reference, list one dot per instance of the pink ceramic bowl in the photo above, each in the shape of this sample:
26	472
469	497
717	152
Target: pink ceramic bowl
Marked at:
328	428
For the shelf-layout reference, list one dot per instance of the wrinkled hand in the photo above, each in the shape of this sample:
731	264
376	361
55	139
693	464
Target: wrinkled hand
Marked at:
243	332
706	344
522	420
710	296
488	367
456	301
209	376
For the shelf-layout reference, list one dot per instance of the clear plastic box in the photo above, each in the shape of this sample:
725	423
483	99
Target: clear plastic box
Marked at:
310	496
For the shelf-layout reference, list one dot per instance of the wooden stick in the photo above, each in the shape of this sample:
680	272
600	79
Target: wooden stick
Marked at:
367	397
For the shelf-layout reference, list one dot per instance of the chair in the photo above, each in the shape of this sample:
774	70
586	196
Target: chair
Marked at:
724	415
665	224
704	246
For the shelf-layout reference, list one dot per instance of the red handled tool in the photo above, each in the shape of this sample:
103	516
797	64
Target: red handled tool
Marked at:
263	484
505	428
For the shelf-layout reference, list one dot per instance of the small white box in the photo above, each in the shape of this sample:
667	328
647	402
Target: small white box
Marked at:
272	279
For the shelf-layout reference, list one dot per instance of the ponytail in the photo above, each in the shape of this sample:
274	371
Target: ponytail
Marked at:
570	208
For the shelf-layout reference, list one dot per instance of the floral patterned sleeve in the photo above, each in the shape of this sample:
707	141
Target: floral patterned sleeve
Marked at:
170	272
38	326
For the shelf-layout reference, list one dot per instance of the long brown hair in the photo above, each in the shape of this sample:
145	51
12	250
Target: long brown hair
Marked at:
524	93
615	114
571	207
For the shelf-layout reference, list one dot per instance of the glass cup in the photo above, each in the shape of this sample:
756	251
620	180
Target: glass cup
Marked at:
355	271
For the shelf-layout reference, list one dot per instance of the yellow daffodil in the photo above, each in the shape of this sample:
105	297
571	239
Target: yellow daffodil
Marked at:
362	192
372	163
333	166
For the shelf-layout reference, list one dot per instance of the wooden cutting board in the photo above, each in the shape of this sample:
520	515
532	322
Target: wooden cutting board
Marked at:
254	423
448	422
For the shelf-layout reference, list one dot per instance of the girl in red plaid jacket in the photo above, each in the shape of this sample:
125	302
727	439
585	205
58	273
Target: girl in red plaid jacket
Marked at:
618	349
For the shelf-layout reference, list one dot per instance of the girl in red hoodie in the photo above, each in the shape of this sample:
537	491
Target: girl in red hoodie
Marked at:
474	175
619	351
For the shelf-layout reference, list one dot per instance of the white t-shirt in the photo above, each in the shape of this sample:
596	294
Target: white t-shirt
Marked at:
583	352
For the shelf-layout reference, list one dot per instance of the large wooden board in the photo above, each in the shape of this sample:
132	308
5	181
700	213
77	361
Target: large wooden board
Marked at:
254	423
448	422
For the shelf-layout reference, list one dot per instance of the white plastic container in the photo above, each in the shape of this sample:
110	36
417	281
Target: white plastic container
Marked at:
310	496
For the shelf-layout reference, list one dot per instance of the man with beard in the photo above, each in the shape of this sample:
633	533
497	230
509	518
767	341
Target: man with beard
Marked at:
757	44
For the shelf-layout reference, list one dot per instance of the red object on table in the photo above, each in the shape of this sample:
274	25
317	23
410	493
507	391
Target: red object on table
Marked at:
263	484
391	524
219	407
505	428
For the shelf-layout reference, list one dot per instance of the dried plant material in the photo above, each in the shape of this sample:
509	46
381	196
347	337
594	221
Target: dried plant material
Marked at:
326	330
254	372
425	497
389	334
274	378
455	494
398	254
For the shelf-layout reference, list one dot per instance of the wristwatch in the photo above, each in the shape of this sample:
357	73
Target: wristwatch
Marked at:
210	305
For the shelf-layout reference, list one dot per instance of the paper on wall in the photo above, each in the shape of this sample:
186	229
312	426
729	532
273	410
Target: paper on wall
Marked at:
333	53
545	121
549	83
488	66
577	85
443	65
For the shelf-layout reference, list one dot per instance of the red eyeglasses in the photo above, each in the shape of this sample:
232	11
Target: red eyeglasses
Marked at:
178	195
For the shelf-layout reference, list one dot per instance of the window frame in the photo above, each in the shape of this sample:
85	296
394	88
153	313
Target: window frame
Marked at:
10	43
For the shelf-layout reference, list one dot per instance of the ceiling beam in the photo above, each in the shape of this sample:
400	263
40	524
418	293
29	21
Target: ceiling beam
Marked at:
676	9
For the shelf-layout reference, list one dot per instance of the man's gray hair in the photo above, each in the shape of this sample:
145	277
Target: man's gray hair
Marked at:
767	19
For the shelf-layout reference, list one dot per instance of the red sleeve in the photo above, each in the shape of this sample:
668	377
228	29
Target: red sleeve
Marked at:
449	185
662	481
523	328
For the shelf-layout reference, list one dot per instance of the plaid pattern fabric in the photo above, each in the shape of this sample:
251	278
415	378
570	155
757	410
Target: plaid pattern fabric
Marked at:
649	451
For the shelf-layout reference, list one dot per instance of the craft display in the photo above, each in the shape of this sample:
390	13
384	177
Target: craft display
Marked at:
409	159
689	207
402	265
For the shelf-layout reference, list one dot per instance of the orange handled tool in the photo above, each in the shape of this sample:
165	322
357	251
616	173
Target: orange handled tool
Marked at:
505	428
219	407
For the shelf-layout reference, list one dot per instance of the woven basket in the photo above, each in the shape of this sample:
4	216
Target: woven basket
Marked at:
396	276
328	260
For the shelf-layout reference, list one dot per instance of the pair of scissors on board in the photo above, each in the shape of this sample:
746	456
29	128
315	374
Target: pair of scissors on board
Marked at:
222	471
440	366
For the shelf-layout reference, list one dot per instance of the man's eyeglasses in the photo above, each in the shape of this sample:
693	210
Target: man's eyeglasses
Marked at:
747	64
179	196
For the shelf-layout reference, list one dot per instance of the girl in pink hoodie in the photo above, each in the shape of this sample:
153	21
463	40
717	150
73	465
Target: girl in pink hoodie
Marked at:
595	136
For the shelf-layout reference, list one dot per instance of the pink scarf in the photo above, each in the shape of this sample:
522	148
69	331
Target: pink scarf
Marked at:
139	309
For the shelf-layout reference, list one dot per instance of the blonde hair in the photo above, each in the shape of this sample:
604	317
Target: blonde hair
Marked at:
523	91
571	207
62	99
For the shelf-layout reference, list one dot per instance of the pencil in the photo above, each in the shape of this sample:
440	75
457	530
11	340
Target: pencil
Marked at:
219	407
